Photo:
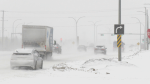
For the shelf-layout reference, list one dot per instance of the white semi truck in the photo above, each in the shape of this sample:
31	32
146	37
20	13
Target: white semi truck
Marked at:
39	38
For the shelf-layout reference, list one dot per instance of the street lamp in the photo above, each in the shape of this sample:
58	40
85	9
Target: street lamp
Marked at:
94	28
146	15
13	25
140	30
96	32
16	28
76	21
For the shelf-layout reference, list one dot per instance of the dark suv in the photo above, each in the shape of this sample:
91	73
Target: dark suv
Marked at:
57	49
100	49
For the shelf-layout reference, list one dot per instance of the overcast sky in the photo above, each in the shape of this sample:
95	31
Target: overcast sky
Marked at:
56	13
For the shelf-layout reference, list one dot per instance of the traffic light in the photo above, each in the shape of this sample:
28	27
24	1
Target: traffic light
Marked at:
61	39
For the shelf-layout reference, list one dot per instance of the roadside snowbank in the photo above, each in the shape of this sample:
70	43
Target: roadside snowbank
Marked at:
133	68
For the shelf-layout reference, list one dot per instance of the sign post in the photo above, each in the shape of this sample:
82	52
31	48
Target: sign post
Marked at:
119	30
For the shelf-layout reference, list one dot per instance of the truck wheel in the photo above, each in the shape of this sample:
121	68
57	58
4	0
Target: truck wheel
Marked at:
104	53
12	67
49	55
35	66
41	65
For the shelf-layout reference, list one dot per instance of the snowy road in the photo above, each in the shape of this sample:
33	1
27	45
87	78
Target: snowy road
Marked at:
68	55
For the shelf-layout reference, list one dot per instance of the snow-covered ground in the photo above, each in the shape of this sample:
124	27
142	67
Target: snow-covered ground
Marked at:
73	67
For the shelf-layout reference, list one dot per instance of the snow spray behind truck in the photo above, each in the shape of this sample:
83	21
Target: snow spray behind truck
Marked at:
39	38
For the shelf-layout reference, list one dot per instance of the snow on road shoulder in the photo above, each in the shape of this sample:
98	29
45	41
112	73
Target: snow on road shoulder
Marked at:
131	67
97	66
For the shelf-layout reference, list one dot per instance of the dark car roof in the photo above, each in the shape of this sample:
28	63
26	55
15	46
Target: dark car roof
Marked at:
81	46
100	46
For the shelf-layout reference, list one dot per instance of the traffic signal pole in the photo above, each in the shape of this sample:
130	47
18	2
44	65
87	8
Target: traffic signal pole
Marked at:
147	29
3	30
145	44
119	22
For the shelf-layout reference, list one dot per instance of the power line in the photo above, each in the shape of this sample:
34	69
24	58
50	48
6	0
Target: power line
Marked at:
81	25
85	16
90	11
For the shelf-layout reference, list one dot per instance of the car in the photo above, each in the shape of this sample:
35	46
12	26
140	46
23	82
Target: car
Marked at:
26	58
115	48
57	49
82	48
100	49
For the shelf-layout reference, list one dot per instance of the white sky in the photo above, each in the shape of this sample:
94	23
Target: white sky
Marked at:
56	13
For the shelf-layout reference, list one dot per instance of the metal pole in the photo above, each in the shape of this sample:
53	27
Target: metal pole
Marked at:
13	31
76	27
145	31
140	30
76	33
119	48
140	36
3	31
94	33
148	28
94	29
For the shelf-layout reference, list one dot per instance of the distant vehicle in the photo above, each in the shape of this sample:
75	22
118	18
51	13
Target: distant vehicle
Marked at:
115	48
82	48
39	38
100	49
26	57
57	49
91	45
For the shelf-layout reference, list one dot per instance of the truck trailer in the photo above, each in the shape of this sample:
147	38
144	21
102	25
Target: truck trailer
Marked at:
39	38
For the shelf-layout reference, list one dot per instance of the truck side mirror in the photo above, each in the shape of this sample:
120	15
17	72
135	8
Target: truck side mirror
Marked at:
54	42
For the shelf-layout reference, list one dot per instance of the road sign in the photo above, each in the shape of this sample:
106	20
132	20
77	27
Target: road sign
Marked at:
118	29
148	33
118	40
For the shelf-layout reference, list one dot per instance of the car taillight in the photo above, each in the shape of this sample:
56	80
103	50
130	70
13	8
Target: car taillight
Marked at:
22	46
45	46
56	47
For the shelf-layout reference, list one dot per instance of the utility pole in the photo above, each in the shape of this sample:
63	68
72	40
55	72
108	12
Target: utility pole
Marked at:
119	22
147	29
3	30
